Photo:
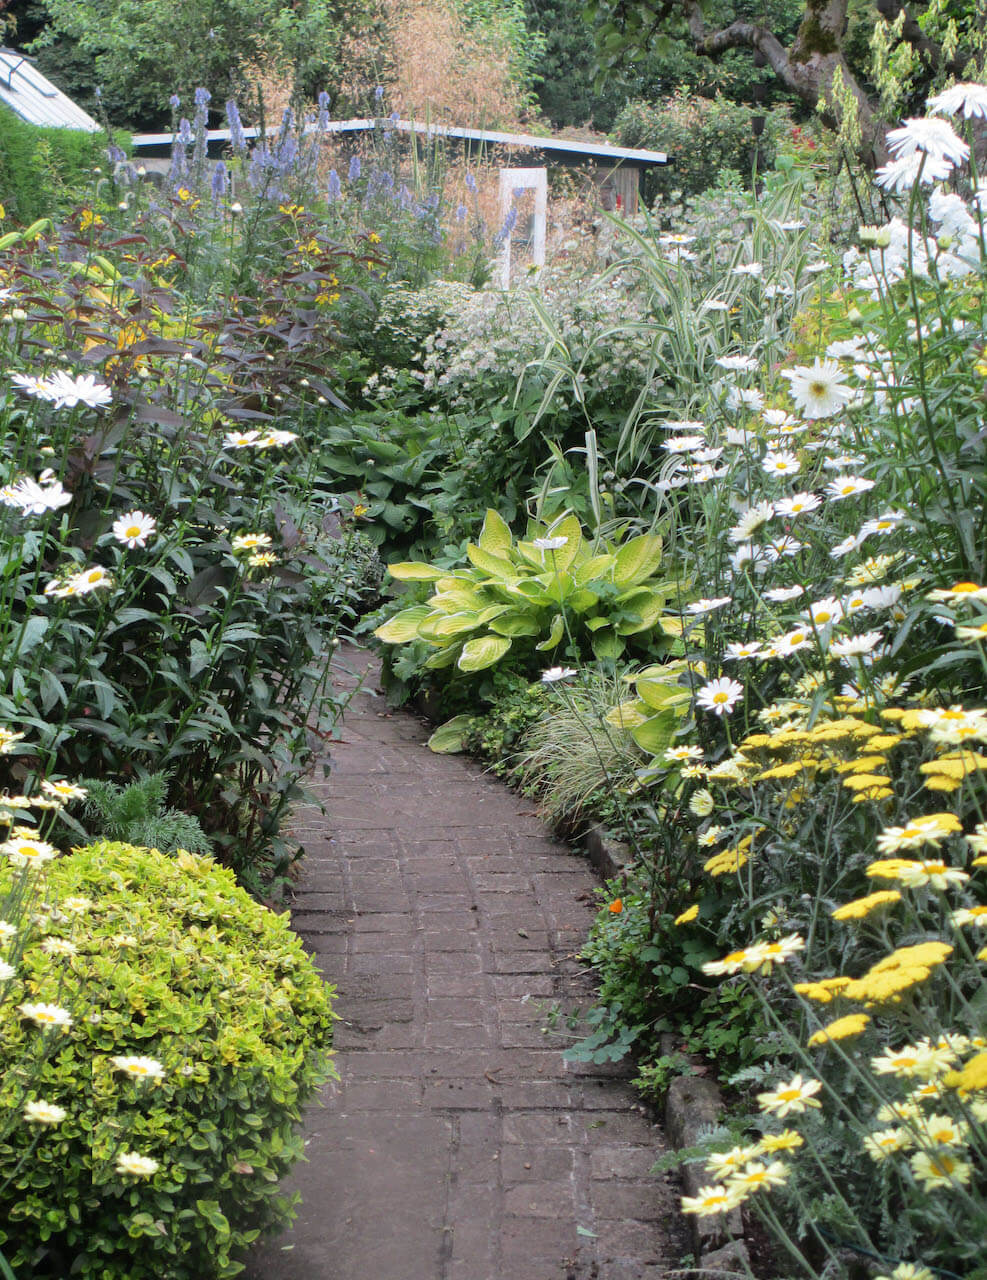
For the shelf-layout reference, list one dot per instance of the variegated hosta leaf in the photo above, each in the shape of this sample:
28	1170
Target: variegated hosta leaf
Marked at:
482	652
404	625
495	536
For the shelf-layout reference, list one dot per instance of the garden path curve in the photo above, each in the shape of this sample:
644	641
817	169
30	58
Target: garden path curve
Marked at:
458	1144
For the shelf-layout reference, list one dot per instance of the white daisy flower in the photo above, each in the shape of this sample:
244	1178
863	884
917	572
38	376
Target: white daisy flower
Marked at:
967	100
845	547
883	524
67	391
843	462
737	364
748	269
818	390
550	544
792	641
720	696
555	674
240	439
856	646
799	504
744	398
847	349
683	444
781	463
778	418
707	606
740	652
134	529
751	521
826	612
933	138
847	487
902	174
781	595
35	497
685	426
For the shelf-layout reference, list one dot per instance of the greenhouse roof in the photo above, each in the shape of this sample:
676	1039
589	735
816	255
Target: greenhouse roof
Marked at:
35	99
570	148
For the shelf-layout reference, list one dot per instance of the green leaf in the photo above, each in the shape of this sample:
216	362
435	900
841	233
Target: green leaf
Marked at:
404	625
415	571
637	560
607	644
482	652
493	565
656	734
515	624
448	737
555	635
495	536
649	608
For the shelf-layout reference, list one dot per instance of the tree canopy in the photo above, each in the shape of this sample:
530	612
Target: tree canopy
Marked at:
141	53
928	40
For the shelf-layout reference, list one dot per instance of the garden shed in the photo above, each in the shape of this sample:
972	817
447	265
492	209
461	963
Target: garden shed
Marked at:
615	170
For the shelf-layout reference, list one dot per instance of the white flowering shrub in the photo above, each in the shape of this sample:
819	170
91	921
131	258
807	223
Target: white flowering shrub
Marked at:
159	1034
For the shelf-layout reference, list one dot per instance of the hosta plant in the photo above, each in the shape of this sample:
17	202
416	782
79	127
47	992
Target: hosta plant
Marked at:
533	595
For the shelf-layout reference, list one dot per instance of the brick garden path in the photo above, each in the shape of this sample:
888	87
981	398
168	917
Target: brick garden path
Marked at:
458	1144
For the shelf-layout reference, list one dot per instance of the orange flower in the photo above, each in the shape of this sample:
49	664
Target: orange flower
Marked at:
617	906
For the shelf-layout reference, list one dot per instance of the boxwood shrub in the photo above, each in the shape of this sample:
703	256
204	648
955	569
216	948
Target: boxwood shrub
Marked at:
172	962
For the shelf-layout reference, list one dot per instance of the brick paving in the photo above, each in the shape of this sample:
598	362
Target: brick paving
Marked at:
458	1144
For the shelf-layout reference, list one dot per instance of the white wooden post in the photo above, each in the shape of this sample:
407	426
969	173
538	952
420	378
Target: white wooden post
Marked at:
535	180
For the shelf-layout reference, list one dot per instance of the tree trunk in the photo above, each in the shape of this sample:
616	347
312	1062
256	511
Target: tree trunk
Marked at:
808	68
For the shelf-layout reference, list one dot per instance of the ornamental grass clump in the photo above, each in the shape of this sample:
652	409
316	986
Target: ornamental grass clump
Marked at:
159	1034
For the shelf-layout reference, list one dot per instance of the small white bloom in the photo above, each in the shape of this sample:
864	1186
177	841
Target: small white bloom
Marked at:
781	463
136	1165
748	269
856	646
799	504
67	391
737	364
739	398
34	497
39	1112
683	444
967	100
134	529
549	544
933	138
554	674
707	606
902	174
751	521
739	652
780	595
847	487
818	390
720	696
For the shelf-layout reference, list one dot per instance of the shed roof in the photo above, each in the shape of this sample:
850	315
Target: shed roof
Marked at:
35	99
570	147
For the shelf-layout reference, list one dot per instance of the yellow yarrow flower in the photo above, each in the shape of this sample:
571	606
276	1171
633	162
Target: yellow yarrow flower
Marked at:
861	907
973	1076
824	991
853	1024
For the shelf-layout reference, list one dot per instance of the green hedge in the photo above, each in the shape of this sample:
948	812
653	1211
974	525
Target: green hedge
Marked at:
43	171
167	961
